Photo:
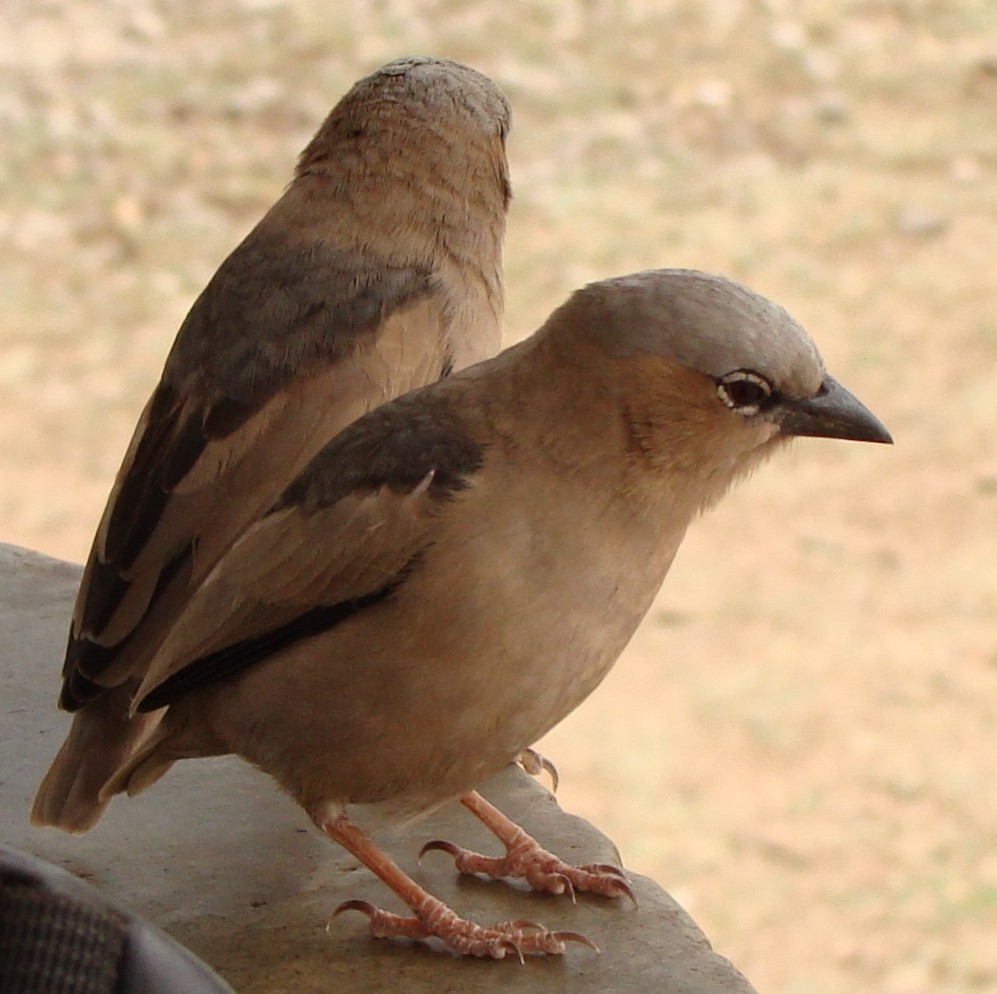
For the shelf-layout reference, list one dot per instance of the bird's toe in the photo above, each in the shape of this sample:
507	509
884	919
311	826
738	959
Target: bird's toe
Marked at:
434	920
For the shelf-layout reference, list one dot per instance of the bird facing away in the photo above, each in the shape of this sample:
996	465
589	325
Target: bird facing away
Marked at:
457	570
379	270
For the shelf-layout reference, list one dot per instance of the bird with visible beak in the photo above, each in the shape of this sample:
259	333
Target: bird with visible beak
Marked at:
456	571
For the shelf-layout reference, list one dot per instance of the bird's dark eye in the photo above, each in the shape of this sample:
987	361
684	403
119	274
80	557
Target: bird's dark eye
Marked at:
744	391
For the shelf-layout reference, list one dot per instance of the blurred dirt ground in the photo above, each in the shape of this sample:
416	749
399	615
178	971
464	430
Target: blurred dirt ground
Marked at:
800	743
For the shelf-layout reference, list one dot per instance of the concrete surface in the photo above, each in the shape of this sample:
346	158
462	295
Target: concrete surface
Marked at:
220	859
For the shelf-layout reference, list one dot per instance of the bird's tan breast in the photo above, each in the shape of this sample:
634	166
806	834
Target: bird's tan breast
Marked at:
545	596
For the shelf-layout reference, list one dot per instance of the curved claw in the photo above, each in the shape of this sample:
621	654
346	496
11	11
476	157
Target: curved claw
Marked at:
364	907
544	938
576	937
627	891
623	884
551	770
442	845
516	948
569	887
605	868
535	764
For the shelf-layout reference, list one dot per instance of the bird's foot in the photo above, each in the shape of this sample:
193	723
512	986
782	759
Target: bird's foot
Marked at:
433	919
535	764
526	859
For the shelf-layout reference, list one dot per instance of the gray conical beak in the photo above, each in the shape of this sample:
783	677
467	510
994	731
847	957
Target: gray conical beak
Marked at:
832	413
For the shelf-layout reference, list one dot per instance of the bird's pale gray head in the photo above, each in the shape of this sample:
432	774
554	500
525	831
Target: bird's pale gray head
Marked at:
764	365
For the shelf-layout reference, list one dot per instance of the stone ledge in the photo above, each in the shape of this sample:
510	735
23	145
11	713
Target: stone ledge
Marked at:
219	858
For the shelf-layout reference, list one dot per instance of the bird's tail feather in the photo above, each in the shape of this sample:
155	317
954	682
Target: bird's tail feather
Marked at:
100	741
143	768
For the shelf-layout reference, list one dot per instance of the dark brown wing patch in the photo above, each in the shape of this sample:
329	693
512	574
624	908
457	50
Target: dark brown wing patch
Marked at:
275	312
160	464
396	446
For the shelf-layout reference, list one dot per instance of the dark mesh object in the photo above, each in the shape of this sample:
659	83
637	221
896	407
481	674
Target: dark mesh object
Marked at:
59	935
51	944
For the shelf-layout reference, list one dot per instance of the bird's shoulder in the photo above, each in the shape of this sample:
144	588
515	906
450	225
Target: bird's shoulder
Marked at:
431	432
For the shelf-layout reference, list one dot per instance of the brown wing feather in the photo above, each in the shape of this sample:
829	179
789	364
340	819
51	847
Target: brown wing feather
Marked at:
275	605
290	377
345	534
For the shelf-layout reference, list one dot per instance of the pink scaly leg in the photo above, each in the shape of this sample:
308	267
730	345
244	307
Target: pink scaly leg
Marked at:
431	917
526	859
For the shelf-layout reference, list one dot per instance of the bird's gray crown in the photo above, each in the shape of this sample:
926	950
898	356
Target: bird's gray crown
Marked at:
702	321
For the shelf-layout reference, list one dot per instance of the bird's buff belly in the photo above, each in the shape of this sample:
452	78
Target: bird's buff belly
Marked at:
410	726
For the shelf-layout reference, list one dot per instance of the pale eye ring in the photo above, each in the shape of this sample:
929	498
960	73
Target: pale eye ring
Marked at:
744	391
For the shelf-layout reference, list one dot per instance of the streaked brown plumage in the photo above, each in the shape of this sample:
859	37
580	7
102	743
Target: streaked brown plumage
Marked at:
458	570
377	271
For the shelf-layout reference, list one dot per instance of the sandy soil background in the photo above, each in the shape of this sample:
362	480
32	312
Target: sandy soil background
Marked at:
800	743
